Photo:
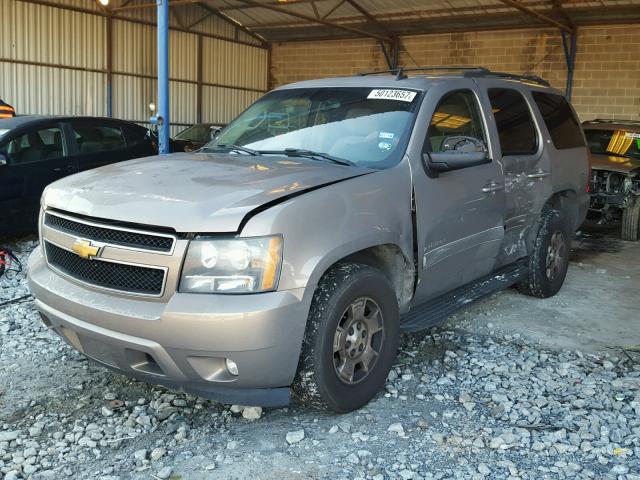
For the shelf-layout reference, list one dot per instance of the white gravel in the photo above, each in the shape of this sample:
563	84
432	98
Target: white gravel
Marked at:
457	405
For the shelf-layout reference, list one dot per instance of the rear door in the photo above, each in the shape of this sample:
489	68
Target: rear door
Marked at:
97	143
526	162
459	213
35	157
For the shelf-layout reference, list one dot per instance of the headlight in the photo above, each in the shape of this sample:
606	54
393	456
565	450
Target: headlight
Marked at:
239	265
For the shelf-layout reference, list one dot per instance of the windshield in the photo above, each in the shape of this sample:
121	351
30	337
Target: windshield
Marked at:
3	131
196	133
363	126
614	142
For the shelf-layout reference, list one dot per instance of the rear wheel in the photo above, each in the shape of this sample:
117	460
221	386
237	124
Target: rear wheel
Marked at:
351	339
549	259
631	222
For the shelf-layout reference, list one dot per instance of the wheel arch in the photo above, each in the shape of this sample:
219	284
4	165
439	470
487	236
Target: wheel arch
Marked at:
565	201
390	260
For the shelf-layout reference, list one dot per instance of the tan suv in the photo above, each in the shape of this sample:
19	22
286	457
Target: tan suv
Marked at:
328	217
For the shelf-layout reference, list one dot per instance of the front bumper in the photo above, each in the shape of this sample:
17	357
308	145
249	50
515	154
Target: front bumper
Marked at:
182	343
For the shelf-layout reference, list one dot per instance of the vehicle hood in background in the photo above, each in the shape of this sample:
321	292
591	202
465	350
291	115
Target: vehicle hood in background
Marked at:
613	163
190	192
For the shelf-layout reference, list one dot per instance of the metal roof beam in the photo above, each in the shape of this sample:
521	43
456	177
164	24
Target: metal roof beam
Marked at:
231	21
357	31
369	17
173	3
540	16
557	5
334	8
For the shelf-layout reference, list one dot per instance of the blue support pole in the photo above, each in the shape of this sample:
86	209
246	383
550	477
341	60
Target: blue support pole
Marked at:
163	75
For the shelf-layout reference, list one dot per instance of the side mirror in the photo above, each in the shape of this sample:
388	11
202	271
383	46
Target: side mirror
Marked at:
3	160
447	161
214	131
456	152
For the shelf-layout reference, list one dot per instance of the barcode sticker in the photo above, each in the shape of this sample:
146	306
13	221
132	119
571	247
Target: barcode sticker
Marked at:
401	95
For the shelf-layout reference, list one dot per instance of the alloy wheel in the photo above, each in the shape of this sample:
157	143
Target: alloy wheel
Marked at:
358	340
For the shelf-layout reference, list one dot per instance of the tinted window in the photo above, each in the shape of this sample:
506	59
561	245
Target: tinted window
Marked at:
621	143
39	145
98	138
515	126
136	135
560	120
456	115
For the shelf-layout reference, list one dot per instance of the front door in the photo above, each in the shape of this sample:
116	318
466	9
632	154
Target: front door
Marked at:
460	213
34	159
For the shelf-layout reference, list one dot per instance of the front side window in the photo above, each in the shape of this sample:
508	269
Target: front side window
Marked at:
35	146
560	120
618	143
516	129
98	138
368	127
456	123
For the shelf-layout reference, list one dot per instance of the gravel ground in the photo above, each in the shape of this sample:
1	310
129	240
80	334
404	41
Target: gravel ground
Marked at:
457	405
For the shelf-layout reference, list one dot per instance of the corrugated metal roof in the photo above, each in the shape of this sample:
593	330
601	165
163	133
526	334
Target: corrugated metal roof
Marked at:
273	21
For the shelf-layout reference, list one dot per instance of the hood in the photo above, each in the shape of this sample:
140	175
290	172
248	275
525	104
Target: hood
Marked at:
190	192
613	163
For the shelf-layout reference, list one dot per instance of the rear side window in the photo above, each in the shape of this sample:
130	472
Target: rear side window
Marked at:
560	120
516	129
135	135
98	138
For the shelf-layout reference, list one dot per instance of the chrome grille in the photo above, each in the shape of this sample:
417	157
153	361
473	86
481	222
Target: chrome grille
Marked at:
112	235
114	276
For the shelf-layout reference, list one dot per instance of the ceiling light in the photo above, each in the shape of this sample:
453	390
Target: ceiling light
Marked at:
104	3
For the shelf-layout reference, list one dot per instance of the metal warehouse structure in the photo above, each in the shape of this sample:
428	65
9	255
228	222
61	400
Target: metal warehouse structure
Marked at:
81	57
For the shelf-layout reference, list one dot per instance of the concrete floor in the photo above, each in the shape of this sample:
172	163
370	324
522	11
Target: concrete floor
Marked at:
598	308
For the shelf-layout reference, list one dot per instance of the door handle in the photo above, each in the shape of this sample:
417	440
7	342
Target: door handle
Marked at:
539	174
492	187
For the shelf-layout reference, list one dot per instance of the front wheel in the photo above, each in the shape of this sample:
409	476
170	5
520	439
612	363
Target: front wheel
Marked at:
351	339
549	259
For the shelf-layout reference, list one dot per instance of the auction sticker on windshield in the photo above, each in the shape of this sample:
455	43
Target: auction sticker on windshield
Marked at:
402	95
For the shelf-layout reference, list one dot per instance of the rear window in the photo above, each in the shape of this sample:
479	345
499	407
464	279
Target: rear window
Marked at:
560	120
516	129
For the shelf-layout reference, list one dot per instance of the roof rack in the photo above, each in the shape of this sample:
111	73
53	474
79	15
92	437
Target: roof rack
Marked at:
400	71
514	76
470	72
611	120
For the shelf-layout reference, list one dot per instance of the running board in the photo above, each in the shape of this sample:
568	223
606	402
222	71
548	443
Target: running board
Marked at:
437	311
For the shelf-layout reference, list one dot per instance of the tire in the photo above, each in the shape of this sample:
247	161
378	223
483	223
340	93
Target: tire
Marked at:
549	260
347	294
631	222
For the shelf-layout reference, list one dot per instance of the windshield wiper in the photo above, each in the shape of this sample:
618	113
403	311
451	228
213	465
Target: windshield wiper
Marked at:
232	147
298	152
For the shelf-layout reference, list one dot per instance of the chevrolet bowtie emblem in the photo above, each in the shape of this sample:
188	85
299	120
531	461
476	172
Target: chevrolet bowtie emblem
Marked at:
84	249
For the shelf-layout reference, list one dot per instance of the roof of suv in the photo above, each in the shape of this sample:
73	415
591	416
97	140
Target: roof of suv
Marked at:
427	77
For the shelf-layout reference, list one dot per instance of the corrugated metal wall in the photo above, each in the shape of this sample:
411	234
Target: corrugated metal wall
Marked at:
54	61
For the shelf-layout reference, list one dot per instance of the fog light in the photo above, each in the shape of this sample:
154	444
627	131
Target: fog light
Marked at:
232	367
